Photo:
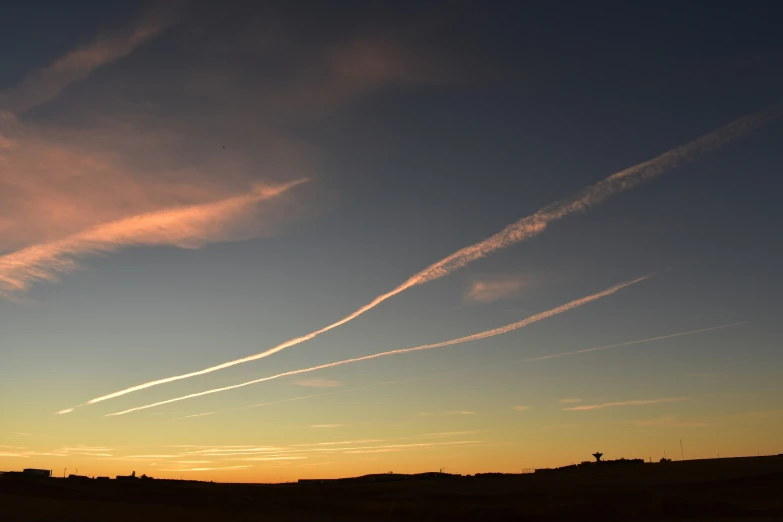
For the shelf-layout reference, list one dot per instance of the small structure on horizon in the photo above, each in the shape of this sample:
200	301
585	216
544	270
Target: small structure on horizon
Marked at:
132	476
40	473
598	456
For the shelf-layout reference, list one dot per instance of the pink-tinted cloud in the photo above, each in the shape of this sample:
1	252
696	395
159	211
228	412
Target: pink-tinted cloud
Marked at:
639	402
187	227
493	289
570	400
45	84
520	408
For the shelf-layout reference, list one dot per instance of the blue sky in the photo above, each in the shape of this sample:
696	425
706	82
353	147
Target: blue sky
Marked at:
147	148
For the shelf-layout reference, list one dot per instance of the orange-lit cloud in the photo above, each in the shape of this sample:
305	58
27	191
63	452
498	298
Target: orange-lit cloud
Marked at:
488	290
283	458
337	443
319	383
45	84
186	227
475	337
570	400
522	230
327	425
520	408
206	469
639	402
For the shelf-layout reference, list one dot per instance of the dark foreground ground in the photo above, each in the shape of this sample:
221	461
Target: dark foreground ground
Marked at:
725	489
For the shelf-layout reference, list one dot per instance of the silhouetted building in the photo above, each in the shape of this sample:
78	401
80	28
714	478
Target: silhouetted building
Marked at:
132	476
77	477
39	473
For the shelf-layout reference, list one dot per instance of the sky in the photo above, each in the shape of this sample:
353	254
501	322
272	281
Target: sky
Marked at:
253	242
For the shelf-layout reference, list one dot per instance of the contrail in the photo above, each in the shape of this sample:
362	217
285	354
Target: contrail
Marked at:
526	360
642	402
522	230
46	84
475	337
599	348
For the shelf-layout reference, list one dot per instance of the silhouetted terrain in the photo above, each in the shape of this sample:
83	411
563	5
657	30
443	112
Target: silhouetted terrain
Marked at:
723	489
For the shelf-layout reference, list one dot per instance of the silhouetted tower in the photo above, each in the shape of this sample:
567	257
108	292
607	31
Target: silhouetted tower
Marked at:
598	456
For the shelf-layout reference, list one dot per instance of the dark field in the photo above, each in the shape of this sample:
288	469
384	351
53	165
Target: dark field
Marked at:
724	489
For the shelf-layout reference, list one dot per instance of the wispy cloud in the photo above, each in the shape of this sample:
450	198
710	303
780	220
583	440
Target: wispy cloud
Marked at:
639	402
86	448
337	443
492	289
671	422
271	459
319	383
522	230
570	400
520	408
327	425
446	434
475	337
153	456
420	445
195	415
206	469
186	227
46	84
446	413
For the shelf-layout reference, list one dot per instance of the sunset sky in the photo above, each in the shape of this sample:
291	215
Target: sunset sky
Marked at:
557	227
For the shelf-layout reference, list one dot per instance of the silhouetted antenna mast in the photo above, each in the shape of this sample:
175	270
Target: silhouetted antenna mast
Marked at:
682	453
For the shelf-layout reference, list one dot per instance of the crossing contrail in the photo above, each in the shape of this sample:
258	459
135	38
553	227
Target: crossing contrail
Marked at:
516	361
524	229
475	337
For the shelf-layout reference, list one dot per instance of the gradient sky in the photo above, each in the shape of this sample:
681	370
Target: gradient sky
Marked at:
188	183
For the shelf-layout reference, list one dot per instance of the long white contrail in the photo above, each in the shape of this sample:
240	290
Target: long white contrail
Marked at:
475	337
522	230
516	361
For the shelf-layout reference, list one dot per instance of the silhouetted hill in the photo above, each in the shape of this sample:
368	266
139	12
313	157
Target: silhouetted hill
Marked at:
728	490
